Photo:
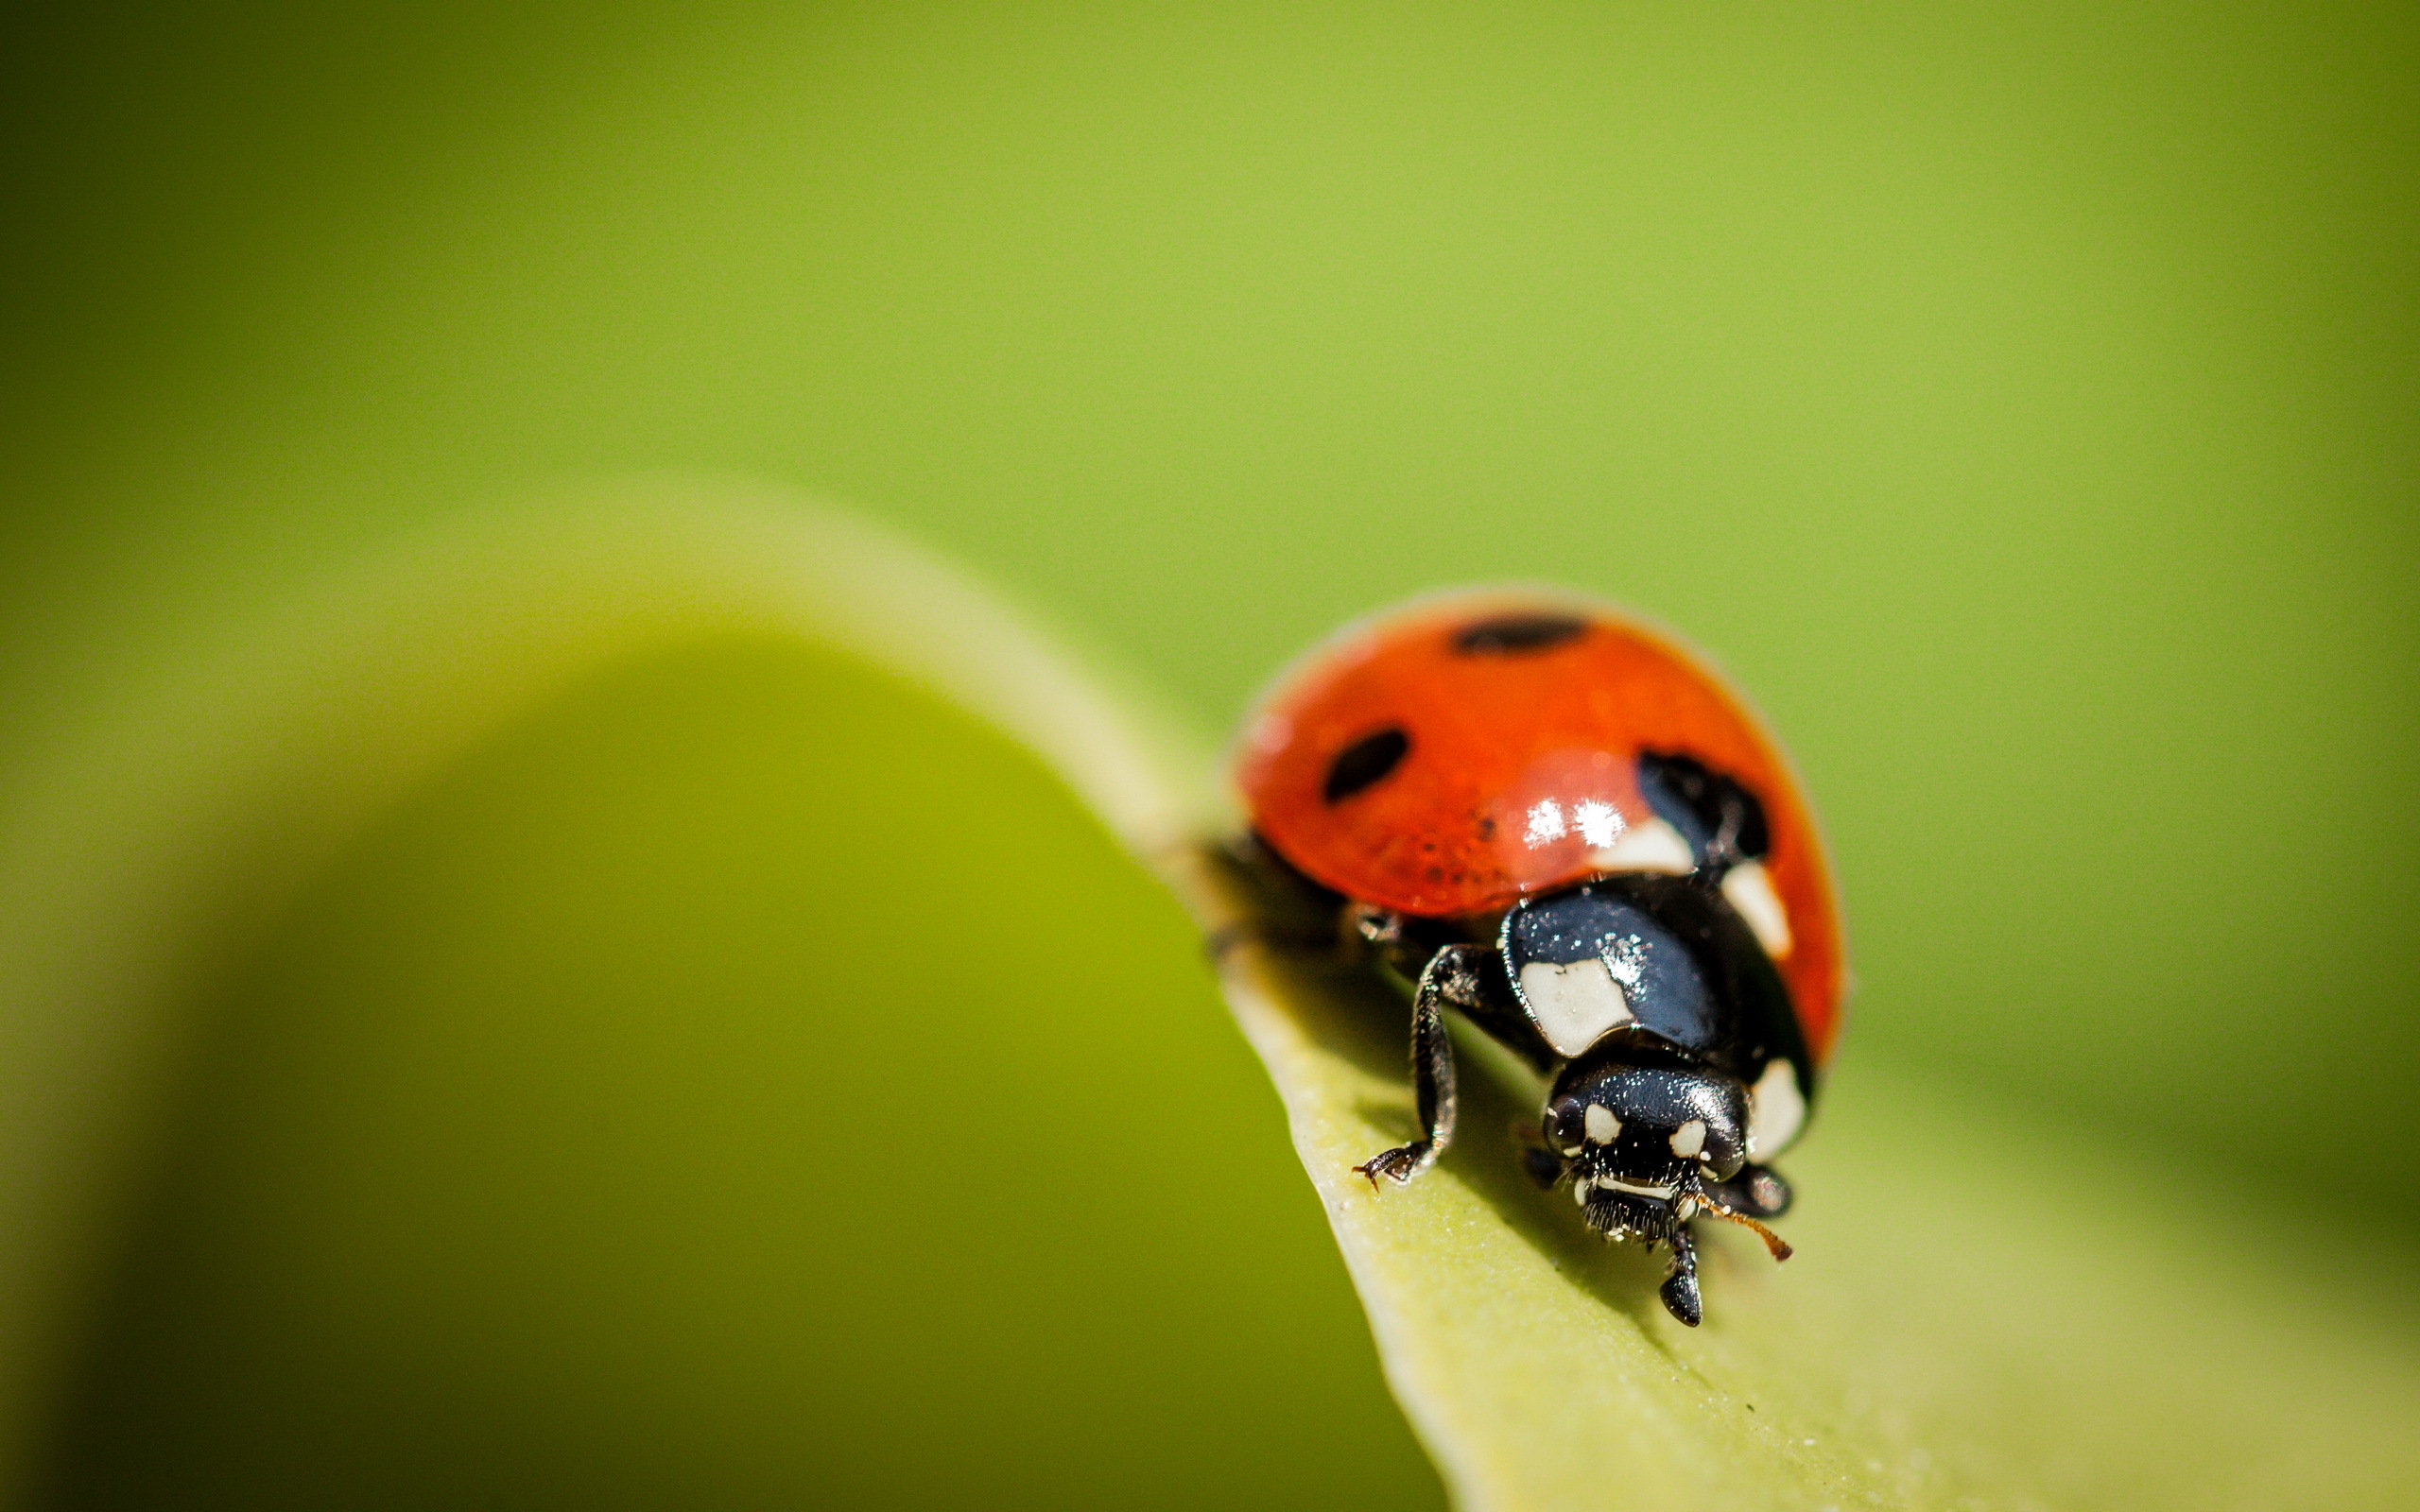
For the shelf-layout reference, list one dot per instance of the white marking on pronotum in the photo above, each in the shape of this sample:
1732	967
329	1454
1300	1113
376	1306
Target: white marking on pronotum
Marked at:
1603	1128
1573	1004
1750	889
1546	823
1689	1138
1636	1190
1651	845
1600	823
1776	1110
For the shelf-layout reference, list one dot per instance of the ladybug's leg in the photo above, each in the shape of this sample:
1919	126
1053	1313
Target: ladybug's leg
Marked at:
1757	1190
1451	976
1542	1164
1680	1291
1282	910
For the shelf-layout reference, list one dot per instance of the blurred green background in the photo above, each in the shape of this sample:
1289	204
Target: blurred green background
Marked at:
2021	401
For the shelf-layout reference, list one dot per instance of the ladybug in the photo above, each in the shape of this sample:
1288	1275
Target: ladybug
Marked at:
1539	814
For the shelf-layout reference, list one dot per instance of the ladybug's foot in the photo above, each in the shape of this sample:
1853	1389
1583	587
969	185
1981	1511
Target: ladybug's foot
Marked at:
1399	1164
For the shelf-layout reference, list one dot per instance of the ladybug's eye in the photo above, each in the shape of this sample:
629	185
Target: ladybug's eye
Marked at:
1566	1124
1573	1124
1363	763
1715	1145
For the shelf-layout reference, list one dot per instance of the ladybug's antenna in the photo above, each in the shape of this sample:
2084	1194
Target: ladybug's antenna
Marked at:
1774	1242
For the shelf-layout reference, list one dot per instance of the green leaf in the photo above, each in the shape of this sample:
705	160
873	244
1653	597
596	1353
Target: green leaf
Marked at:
1978	1314
445	1002
576	1017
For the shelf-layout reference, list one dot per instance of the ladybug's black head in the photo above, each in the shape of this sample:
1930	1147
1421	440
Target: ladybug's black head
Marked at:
1643	1142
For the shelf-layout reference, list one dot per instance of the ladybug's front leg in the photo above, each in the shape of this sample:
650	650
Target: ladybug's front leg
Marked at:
1757	1190
1452	975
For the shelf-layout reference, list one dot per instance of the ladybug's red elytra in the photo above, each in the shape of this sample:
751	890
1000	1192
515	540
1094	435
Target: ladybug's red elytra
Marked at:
1537	812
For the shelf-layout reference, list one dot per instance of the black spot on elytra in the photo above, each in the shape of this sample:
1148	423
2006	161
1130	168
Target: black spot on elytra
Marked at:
1366	760
1721	820
1517	634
